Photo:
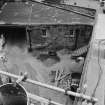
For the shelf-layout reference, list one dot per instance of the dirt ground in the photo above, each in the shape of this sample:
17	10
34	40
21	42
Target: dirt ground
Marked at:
19	60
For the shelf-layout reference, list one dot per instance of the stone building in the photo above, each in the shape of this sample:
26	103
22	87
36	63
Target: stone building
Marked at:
49	27
60	36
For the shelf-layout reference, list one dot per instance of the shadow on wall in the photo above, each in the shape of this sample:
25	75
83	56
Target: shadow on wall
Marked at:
14	36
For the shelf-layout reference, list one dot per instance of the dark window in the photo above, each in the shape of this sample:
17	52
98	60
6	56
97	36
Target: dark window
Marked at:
44	33
72	33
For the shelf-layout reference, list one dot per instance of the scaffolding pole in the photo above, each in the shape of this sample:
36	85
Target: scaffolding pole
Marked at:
79	95
41	99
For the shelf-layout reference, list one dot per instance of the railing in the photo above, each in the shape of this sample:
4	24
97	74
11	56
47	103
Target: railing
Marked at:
23	78
42	100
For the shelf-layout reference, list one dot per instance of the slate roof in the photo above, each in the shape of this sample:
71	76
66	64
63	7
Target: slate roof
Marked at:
34	13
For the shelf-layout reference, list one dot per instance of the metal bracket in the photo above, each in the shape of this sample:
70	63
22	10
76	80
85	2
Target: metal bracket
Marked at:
22	78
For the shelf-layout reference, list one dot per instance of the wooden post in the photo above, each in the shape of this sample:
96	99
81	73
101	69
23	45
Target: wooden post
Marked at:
29	42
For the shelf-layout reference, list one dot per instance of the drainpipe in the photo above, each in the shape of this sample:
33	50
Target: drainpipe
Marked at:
29	42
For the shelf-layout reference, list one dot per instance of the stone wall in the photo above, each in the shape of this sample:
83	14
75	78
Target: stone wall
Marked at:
61	36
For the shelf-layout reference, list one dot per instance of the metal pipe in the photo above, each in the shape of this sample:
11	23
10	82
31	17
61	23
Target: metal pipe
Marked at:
41	99
79	95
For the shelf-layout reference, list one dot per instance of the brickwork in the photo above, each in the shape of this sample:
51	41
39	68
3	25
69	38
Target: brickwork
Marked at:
64	36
